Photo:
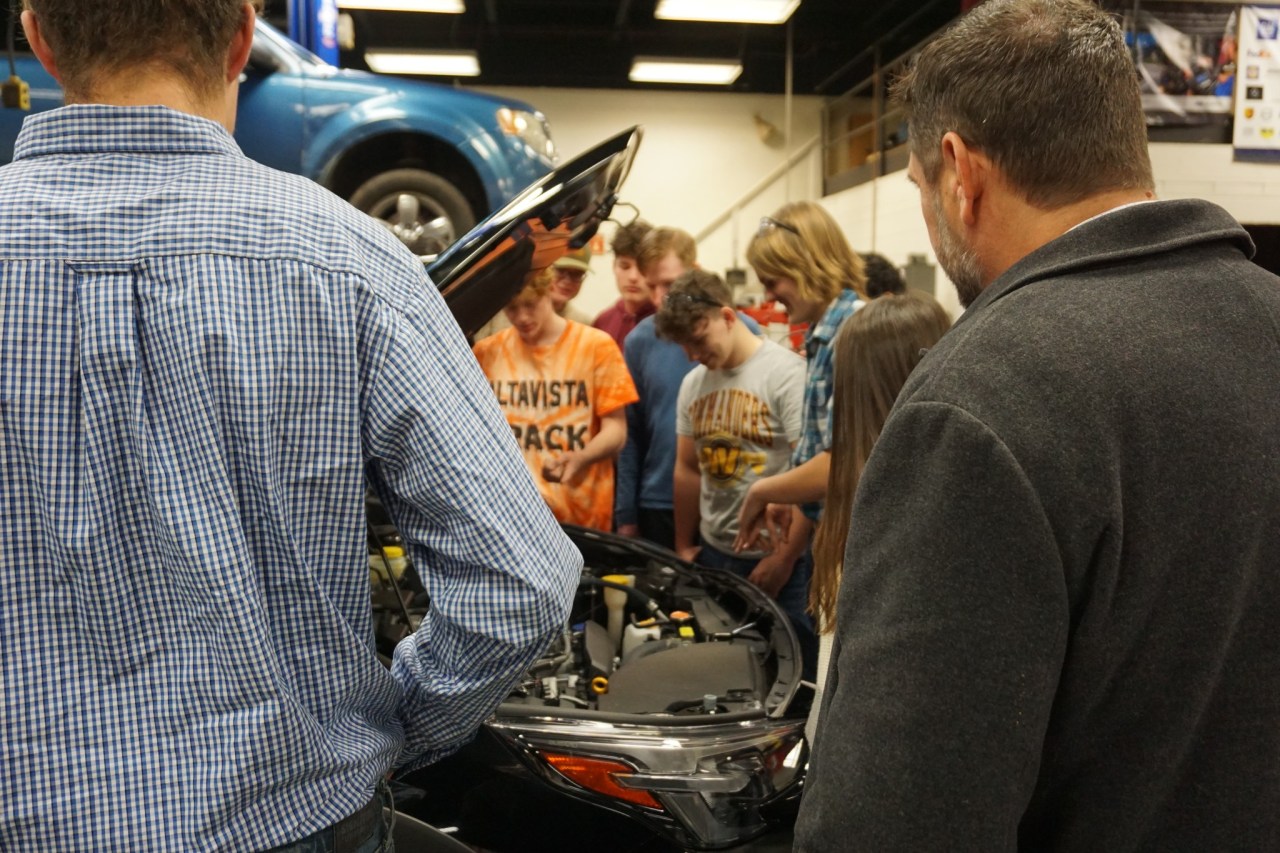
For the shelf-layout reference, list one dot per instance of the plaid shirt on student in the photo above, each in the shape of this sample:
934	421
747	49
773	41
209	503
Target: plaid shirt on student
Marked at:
819	355
201	359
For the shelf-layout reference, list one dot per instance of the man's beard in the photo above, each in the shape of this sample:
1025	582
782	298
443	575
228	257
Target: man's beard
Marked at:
958	261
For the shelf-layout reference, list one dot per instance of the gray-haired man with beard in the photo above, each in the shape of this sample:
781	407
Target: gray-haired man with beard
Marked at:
1057	626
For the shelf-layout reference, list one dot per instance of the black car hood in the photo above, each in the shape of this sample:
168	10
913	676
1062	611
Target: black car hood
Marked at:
484	269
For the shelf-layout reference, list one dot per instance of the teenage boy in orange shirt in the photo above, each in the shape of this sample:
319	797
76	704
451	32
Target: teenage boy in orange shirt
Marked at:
563	387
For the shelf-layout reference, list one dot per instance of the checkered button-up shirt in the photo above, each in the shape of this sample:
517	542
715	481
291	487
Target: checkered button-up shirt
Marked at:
201	361
819	355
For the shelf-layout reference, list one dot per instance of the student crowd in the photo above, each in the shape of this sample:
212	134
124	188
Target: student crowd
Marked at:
672	418
1046	539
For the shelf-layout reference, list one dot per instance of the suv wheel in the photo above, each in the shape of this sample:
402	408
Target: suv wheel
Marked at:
437	215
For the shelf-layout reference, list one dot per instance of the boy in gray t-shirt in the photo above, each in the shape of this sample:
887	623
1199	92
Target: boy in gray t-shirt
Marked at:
738	415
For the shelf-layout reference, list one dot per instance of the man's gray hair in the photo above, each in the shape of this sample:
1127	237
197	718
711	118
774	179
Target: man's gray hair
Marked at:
1045	88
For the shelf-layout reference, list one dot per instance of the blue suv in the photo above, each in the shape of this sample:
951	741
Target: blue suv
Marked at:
431	159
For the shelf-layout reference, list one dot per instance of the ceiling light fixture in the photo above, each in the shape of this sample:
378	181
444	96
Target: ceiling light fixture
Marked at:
706	72
445	7
439	63
727	11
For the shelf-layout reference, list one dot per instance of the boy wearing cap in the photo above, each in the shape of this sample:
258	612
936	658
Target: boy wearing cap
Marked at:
568	274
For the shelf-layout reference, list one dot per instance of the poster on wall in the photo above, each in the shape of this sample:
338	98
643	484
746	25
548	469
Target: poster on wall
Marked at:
1257	126
1185	55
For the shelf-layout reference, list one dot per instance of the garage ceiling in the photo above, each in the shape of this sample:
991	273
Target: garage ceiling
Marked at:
590	43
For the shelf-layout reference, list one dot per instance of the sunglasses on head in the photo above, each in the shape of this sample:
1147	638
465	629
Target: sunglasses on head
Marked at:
692	299
768	222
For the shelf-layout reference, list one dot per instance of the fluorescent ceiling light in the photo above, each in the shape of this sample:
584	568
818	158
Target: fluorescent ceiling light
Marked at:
440	63
447	7
729	11
707	72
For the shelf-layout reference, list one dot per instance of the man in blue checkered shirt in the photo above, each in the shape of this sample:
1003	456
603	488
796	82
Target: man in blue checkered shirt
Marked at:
202	364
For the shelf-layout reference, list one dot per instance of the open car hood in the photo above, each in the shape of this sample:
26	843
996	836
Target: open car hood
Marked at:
668	701
560	212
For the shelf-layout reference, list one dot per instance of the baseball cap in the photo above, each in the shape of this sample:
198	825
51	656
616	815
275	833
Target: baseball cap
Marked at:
578	259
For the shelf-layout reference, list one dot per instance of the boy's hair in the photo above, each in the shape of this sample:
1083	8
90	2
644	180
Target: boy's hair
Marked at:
90	38
628	239
803	242
536	286
694	296
882	276
660	242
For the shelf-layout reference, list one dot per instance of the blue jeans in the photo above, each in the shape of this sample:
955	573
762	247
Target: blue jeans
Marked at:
658	526
793	598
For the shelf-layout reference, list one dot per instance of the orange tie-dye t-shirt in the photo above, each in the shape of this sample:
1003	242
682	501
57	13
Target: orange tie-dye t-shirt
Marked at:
554	397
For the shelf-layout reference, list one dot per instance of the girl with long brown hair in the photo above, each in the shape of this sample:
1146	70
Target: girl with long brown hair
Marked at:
875	351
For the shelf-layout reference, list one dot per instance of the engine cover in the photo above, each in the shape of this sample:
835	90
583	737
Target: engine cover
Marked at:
676	678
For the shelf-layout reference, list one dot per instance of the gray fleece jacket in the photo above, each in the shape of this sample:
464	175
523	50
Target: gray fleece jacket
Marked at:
1058	626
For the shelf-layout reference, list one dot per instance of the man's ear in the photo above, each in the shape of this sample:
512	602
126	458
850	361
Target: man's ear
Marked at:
730	316
40	47
241	43
970	171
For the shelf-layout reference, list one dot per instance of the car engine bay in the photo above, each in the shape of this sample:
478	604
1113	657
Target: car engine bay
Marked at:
663	710
648	634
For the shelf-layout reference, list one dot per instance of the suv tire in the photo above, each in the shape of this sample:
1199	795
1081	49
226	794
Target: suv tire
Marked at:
379	197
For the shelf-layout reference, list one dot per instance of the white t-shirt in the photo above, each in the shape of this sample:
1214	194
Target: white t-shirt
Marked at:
743	421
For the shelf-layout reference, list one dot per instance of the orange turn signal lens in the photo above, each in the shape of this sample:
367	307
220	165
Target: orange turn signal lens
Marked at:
597	774
511	122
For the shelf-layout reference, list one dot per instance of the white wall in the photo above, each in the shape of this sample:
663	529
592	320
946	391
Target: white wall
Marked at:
700	154
1249	191
884	216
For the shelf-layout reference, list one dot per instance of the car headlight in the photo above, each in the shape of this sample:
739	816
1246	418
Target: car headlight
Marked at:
707	781
531	128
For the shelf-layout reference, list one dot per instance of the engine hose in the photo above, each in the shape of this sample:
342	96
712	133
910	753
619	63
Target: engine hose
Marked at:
646	601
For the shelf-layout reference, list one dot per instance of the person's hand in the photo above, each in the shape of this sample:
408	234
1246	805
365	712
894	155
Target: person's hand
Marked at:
772	573
567	468
778	522
772	528
631	530
575	467
690	553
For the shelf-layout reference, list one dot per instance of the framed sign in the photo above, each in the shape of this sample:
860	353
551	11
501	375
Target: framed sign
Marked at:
1257	106
1185	54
